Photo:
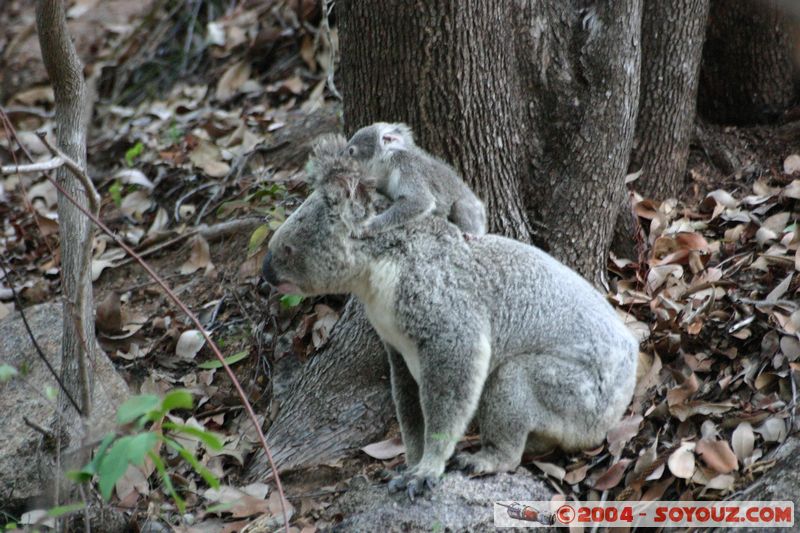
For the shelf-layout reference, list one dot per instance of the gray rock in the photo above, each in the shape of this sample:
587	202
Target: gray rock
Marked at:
458	503
23	396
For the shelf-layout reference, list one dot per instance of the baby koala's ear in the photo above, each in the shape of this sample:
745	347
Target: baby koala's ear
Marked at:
391	140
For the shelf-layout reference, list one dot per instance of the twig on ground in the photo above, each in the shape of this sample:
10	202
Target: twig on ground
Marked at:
46	433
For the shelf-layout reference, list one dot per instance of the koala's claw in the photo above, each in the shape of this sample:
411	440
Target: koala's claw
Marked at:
481	463
414	484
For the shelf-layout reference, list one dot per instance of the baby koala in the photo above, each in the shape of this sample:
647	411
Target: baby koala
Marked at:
417	182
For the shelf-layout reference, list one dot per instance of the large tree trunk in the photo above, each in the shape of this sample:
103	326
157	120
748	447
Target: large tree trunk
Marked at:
672	42
533	102
747	74
672	45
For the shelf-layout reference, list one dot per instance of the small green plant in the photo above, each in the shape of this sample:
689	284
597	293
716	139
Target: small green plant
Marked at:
290	300
214	363
146	418
133	152
174	133
115	190
7	372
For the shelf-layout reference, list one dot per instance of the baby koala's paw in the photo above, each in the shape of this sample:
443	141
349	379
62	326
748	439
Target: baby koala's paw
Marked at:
362	232
414	482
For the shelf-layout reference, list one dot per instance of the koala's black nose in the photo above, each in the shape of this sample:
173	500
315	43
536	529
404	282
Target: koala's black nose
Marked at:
266	270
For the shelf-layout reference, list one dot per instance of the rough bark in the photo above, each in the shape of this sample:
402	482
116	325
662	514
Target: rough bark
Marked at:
72	116
534	103
339	402
747	74
672	43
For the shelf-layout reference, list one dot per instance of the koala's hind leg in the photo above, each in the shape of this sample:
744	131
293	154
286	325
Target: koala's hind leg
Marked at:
537	402
405	394
469	215
505	417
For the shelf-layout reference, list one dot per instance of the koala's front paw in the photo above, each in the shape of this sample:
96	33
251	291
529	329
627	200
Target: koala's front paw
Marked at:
414	482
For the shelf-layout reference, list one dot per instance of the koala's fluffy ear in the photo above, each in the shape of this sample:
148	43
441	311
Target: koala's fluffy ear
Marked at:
326	151
397	135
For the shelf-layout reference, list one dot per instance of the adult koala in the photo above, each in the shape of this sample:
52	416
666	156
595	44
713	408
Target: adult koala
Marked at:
487	327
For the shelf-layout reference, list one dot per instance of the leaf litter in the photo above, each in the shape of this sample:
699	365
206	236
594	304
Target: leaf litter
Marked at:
714	300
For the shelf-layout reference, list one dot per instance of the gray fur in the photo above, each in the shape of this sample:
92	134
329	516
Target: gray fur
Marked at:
417	182
487	328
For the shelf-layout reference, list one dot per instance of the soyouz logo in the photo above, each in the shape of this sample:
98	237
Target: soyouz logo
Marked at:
644	514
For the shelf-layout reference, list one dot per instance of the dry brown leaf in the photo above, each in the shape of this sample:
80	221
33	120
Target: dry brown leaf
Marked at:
780	289
612	476
189	343
791	164
200	257
790	347
576	475
684	391
551	469
724	482
772	430
232	80
792	190
683	411
136	204
681	461
208	157
326	320
717	454
622	432
385	449
743	441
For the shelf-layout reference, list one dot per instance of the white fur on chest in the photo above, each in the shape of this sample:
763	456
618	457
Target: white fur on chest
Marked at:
379	302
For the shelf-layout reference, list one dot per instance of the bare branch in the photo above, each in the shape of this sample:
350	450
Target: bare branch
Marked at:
77	171
44	166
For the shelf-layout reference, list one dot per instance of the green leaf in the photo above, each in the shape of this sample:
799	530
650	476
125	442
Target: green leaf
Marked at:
113	466
167	481
126	450
115	190
210	478
214	363
133	152
291	300
86	473
257	238
51	392
177	399
208	438
7	372
61	510
139	446
101	451
137	407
